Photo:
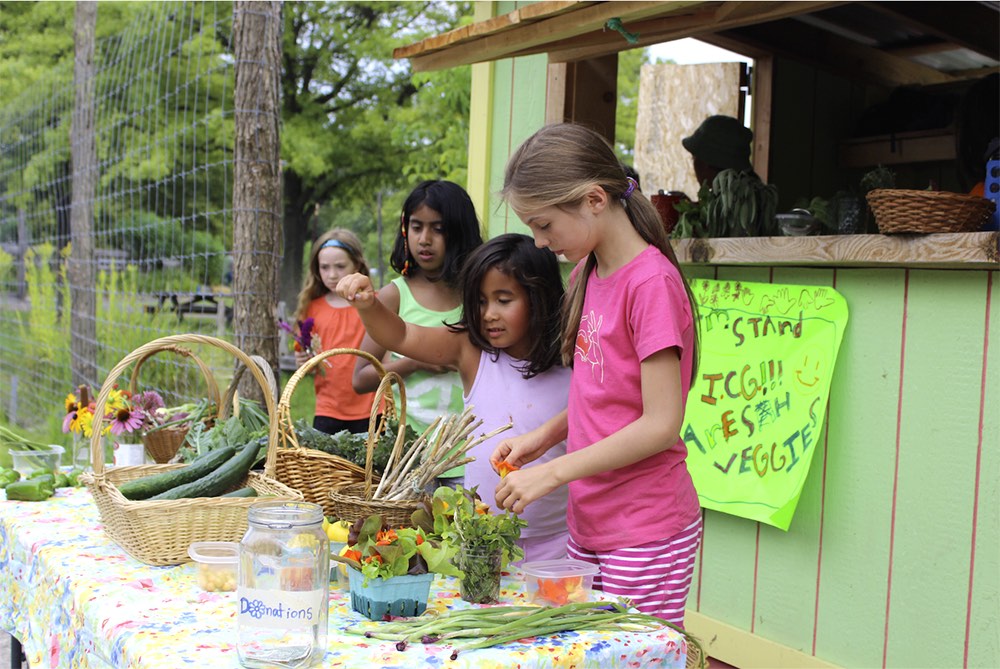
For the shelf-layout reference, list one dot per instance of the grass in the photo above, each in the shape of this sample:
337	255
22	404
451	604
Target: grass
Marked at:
303	402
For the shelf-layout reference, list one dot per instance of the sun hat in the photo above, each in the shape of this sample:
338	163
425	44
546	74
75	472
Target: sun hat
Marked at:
722	142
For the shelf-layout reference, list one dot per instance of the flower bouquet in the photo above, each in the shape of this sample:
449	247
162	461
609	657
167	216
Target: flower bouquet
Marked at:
485	542
391	569
126	417
304	339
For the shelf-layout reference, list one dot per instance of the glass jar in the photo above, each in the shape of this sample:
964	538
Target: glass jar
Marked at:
283	586
481	566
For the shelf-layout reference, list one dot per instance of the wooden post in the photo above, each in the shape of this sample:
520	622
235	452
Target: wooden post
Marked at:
257	30
23	242
83	309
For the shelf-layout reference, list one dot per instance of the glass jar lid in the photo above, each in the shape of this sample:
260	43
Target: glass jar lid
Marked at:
284	515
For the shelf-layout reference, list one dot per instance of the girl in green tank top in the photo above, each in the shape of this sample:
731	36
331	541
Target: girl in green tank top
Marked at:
438	228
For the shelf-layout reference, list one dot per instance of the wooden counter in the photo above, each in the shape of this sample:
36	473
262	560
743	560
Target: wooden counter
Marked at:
972	250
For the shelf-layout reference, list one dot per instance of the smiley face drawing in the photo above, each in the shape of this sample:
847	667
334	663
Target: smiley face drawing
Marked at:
807	374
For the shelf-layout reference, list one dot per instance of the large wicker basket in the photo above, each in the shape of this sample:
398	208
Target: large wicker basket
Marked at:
163	444
355	500
923	211
158	532
310	471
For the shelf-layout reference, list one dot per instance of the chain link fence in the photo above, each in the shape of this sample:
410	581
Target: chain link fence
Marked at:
146	134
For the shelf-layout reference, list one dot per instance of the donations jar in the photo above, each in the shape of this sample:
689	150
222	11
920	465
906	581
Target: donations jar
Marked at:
283	586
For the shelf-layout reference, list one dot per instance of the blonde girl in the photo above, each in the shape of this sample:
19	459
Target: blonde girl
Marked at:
628	331
335	254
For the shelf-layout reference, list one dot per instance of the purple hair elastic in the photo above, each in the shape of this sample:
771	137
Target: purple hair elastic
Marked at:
631	188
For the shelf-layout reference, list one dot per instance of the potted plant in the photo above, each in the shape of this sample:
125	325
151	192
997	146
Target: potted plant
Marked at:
390	569
485	541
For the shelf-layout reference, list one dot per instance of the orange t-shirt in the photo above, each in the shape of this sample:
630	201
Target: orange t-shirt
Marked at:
338	327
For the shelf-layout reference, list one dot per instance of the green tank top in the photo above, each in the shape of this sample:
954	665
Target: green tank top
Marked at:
429	395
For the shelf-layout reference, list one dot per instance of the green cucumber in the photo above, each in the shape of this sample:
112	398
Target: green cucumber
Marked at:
147	486
215	483
242	492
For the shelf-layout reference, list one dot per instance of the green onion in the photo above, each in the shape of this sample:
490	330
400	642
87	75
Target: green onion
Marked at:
13	439
490	626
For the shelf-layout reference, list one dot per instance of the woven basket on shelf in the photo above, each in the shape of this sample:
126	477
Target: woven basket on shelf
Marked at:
898	210
313	472
354	500
158	532
163	444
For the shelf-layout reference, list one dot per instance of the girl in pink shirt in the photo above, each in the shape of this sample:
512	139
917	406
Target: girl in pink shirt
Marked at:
628	331
506	350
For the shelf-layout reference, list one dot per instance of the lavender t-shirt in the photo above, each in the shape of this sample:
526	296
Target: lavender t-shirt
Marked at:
638	310
500	394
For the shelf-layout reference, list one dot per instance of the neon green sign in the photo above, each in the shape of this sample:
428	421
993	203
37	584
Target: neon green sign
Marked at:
755	411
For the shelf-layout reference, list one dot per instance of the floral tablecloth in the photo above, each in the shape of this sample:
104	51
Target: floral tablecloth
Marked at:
75	599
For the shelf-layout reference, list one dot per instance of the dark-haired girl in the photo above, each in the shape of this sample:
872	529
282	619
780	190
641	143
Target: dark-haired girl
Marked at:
506	349
438	228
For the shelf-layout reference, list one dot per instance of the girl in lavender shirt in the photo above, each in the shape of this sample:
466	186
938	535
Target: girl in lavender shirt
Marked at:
628	331
506	350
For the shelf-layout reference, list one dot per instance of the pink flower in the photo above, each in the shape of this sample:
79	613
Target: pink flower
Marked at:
126	420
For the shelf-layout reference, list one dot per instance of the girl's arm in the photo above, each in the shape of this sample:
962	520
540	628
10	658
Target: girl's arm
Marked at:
429	348
657	429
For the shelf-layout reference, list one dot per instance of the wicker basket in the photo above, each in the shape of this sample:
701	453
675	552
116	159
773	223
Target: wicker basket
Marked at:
898	210
158	532
164	443
312	472
354	500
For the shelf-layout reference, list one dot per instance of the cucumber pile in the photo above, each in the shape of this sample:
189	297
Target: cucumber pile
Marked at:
213	474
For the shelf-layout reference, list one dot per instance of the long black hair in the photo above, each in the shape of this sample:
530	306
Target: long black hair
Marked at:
537	270
461	227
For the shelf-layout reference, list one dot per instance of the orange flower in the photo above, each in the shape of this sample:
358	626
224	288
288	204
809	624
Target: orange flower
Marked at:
386	538
353	555
420	539
502	467
374	558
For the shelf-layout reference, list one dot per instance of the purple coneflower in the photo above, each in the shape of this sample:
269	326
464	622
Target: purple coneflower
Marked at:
126	420
69	422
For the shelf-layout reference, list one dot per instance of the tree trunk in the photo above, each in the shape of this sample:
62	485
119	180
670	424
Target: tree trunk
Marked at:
80	270
257	182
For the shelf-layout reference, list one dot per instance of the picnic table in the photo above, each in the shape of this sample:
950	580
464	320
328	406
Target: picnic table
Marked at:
73	598
202	300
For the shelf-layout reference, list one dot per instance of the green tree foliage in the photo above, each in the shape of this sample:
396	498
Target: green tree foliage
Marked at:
629	64
355	121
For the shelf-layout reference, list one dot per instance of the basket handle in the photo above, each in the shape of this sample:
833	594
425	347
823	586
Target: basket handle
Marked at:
285	425
147	349
385	390
206	372
230	400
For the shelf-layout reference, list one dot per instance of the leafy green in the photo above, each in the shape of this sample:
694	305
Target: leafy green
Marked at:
250	425
351	446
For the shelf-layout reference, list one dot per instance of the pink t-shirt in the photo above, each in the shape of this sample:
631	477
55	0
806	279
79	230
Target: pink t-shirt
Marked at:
638	310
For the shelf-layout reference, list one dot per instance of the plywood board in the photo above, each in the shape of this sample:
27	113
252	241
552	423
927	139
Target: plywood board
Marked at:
673	101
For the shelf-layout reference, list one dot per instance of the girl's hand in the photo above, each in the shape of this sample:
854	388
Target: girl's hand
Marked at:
357	289
301	358
522	487
520	450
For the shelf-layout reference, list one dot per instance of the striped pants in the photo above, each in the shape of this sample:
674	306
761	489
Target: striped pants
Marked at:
655	576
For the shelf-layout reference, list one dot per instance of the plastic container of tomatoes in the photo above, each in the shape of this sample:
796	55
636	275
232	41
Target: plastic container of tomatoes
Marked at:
558	582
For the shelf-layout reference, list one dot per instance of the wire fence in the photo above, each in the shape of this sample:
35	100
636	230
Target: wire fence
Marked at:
159	249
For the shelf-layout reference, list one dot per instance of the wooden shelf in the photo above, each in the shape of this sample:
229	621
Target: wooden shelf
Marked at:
894	149
972	250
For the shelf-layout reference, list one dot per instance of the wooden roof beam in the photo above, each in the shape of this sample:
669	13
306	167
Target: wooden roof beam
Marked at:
979	29
526	35
695	22
797	41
